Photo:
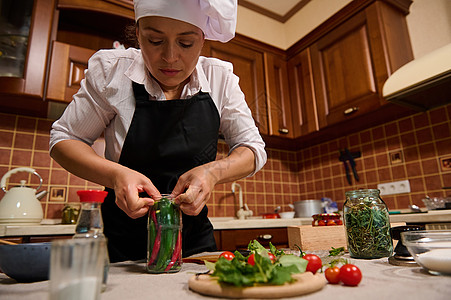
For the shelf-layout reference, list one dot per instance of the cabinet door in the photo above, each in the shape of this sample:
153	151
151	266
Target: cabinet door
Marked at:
303	103
24	94
344	72
67	67
352	62
248	66
278	96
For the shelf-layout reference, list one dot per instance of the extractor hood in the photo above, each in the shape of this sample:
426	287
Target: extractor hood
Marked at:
423	83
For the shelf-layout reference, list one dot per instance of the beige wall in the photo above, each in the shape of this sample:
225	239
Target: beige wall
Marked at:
429	24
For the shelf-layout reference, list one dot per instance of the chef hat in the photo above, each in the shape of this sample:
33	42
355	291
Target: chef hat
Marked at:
216	18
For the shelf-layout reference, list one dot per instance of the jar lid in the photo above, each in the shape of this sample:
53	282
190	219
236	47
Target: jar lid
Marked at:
92	195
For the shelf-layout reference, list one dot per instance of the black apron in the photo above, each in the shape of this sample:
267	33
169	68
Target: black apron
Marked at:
165	139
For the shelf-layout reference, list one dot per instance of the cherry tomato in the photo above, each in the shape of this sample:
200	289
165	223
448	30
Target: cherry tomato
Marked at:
251	259
333	275
227	255
339	222
271	257
350	275
321	223
314	262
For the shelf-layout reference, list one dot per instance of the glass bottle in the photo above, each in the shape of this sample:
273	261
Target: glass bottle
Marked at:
367	224
90	223
164	248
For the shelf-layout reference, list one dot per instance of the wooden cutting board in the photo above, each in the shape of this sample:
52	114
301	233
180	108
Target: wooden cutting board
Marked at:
305	283
200	259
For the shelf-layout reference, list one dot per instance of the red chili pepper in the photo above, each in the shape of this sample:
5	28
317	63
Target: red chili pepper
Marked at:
176	253
156	247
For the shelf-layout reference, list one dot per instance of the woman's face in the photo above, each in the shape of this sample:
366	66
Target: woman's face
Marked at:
170	49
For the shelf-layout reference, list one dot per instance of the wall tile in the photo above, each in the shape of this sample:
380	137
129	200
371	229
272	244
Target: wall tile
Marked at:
288	176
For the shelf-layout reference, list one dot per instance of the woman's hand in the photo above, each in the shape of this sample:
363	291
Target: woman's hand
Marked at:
193	189
127	186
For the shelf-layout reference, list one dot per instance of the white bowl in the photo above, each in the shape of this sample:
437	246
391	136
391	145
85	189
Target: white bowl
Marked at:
286	215
431	249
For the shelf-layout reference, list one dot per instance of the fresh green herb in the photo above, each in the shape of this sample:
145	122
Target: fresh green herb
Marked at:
368	230
336	251
238	272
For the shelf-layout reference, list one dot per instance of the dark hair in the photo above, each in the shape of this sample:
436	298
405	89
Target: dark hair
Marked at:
130	35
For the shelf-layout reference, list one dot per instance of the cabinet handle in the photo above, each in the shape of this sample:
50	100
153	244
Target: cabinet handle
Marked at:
283	130
351	110
265	237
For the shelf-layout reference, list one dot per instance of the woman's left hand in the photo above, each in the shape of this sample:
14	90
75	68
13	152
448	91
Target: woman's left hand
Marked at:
193	189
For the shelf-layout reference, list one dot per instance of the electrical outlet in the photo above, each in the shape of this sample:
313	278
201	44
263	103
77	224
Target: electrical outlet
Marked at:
396	187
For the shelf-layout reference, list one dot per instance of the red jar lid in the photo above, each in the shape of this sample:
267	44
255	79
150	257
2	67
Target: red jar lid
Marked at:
92	195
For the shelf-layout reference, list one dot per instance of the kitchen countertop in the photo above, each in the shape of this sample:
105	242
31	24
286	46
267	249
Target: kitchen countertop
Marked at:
128	280
50	227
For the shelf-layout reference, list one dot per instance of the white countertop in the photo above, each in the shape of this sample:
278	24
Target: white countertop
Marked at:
128	280
50	227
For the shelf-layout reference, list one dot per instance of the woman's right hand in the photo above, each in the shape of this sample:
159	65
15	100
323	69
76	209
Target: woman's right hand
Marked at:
127	186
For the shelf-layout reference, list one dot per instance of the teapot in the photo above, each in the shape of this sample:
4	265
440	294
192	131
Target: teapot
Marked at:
21	205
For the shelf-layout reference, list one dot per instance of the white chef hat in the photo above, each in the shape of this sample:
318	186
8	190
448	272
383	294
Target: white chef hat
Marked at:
216	18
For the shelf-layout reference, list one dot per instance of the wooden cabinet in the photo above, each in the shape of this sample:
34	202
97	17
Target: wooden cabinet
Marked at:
248	66
278	99
238	239
67	66
303	102
24	95
352	62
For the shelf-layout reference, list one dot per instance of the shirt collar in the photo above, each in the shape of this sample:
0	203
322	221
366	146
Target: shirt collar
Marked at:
138	73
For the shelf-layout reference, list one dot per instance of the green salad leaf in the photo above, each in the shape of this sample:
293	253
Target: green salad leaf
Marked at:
239	272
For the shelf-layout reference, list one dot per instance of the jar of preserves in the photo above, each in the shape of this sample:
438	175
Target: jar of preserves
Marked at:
164	250
70	213
367	224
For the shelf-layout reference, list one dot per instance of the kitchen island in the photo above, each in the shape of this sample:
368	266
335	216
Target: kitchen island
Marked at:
128	280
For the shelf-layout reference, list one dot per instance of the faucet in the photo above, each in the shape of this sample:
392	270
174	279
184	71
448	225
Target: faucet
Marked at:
244	211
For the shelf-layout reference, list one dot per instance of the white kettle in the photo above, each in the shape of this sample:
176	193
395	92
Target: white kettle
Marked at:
21	205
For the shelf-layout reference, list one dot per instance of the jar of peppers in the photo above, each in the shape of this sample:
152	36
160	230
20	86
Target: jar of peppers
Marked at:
164	250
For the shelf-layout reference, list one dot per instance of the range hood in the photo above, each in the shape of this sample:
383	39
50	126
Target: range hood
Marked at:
423	83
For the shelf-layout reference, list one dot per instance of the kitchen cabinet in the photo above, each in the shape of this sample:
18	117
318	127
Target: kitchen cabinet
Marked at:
351	62
303	101
24	94
278	96
238	239
67	66
248	66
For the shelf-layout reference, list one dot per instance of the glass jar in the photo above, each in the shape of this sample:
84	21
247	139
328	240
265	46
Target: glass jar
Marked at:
164	250
367	225
70	213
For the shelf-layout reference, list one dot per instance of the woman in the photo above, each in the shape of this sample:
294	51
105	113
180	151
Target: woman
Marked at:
161	109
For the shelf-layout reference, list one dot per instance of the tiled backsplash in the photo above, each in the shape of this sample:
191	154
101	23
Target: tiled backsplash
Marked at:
416	148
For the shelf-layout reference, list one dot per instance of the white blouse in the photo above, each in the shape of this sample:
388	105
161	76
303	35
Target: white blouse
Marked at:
105	102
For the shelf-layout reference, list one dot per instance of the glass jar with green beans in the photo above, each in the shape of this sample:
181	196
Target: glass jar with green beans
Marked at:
164	250
367	224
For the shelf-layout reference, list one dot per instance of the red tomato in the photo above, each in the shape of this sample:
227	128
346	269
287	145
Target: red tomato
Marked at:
271	257
339	222
314	262
331	223
350	275
321	223
251	259
227	255
333	275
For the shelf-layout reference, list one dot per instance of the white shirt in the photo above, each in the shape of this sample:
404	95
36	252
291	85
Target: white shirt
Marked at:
105	102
